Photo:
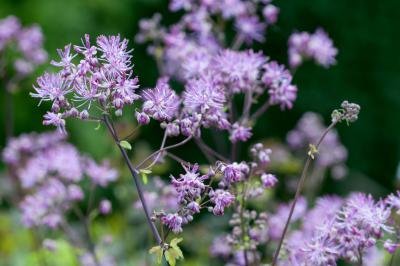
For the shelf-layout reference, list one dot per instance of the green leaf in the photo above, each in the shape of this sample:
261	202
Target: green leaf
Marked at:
145	179
98	126
176	249
126	145
175	242
145	171
158	251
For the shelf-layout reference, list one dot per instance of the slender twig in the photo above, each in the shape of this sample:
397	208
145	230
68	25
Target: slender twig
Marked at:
243	226
176	158
132	133
158	155
248	100
134	174
164	149
207	149
298	192
260	111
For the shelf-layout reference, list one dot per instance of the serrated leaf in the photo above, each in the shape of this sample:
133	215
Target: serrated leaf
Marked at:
158	251
170	257
175	242
126	145
178	252
176	249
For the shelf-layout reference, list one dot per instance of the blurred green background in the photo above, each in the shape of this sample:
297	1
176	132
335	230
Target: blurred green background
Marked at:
366	33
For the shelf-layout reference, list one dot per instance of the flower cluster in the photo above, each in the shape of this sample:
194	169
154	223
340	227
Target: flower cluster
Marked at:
52	171
101	79
318	46
25	42
341	228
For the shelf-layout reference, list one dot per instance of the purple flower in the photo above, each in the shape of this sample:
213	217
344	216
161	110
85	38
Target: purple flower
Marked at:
239	71
9	27
75	192
49	244
321	48
271	13
221	199
172	129
173	221
101	174
235	172
261	154
55	120
30	42
190	185
161	103
278	79
269	180
66	60
283	95
142	118
277	221
44	207
51	87
276	75
321	251
176	5
390	246
194	207
240	133
220	247
105	207
394	201
204	96
317	46
251	28
115	53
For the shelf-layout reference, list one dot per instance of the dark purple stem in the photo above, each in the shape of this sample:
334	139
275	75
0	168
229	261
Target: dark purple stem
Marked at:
298	192
136	180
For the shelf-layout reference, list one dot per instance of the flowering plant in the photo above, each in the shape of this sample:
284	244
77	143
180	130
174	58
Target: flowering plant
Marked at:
227	87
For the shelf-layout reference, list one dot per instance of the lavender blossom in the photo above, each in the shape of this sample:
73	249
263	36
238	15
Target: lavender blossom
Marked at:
190	185
222	199
240	133
161	103
173	221
235	172
103	78
105	207
268	180
317	46
239	71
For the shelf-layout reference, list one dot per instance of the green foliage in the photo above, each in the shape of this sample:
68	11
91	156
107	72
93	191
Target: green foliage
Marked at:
126	145
172	252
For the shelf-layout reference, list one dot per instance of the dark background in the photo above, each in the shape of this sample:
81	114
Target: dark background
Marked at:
365	32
